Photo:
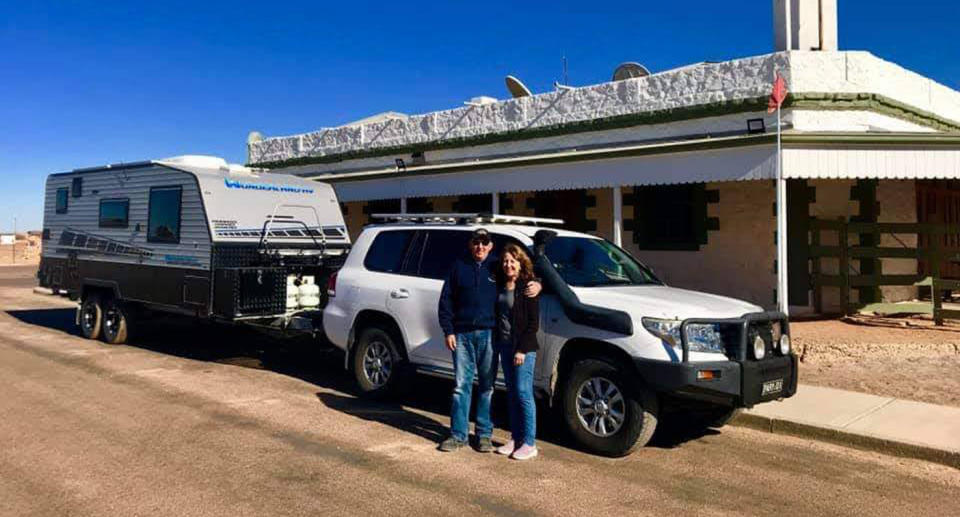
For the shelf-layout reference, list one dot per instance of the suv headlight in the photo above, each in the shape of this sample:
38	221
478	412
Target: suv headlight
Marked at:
701	337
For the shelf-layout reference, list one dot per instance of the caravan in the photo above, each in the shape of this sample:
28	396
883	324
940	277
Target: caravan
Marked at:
191	235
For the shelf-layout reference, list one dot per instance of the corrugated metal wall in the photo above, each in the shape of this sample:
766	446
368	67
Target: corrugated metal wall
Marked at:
83	216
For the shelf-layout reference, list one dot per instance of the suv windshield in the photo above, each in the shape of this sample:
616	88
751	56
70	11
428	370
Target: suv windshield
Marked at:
585	262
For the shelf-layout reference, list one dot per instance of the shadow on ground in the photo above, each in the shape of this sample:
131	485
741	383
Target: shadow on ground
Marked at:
303	359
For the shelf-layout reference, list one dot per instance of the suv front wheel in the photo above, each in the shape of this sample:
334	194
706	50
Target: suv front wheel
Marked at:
604	412
376	362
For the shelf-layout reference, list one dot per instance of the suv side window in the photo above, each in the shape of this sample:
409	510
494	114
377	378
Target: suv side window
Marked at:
387	251
442	248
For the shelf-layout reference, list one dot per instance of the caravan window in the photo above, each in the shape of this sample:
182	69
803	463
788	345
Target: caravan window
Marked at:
114	213
62	197
163	221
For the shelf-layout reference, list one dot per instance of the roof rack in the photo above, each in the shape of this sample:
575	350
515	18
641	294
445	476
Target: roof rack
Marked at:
471	218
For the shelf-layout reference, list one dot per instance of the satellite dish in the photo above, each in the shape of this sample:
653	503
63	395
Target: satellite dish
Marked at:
516	87
630	70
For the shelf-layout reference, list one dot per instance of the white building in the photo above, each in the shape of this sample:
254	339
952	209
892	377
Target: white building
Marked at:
678	166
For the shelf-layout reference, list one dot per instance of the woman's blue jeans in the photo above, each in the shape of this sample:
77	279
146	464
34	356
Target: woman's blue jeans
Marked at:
522	406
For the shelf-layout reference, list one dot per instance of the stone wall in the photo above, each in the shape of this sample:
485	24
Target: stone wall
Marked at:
821	74
737	259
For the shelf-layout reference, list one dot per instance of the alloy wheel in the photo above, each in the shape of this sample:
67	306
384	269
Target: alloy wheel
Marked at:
600	406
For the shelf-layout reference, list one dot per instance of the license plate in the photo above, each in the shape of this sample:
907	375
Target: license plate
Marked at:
771	387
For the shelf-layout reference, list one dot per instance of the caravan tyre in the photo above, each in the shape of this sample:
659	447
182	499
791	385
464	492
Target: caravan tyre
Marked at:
91	316
604	411
376	362
116	323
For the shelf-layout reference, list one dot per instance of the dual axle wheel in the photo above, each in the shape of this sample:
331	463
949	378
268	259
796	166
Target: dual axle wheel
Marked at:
105	319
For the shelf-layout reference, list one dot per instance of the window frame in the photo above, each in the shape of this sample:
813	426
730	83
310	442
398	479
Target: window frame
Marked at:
126	213
66	200
150	237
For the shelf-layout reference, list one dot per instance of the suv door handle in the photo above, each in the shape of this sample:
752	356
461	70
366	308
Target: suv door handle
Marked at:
399	293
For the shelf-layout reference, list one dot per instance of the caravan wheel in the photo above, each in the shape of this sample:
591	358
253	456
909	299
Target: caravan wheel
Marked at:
91	316
116	321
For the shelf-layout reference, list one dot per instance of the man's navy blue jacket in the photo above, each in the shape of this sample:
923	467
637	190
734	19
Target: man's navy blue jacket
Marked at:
469	296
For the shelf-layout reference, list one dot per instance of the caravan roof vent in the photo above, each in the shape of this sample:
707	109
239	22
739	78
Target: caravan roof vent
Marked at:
198	160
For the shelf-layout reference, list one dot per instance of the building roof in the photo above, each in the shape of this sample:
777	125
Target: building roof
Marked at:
826	81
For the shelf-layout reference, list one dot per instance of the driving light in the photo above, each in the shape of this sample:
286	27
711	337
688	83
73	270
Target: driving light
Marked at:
759	347
784	344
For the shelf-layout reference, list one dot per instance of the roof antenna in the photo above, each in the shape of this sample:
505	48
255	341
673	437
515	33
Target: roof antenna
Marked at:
563	86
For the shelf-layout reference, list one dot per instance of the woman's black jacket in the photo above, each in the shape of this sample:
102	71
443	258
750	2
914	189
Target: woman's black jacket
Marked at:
524	320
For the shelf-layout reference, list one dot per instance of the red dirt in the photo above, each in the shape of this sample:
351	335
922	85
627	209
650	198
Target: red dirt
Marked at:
894	357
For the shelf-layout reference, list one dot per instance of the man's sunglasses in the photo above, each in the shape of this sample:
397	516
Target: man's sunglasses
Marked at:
480	240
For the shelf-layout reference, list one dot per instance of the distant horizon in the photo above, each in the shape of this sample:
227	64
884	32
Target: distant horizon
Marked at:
155	82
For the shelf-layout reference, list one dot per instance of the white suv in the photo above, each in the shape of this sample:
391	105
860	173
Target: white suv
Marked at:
617	346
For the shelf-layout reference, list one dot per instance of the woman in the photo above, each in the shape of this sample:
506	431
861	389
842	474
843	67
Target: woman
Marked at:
518	319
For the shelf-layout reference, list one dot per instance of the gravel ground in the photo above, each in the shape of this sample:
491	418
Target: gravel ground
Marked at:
210	420
906	358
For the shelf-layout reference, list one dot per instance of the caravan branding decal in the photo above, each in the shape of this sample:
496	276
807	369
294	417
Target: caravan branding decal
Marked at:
267	186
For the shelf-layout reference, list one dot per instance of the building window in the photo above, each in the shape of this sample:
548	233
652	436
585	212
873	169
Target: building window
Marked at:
569	205
63	196
76	187
473	204
380	206
163	221
669	217
114	213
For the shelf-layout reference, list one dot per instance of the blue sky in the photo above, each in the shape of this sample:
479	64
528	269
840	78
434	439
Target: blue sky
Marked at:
88	83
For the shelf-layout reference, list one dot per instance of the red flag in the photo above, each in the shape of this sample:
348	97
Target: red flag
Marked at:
778	94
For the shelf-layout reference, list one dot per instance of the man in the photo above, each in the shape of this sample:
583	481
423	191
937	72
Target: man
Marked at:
467	317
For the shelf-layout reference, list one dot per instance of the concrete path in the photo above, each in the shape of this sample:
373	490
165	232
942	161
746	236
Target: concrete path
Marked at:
901	427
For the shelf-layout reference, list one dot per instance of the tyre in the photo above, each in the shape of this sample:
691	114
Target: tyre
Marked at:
91	316
604	412
377	362
116	323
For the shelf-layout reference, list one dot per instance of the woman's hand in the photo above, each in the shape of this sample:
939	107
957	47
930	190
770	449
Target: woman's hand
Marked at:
533	289
518	358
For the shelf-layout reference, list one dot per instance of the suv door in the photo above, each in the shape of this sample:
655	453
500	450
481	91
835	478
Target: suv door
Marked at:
416	308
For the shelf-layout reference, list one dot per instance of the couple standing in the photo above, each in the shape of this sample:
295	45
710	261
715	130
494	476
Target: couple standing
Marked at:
485	322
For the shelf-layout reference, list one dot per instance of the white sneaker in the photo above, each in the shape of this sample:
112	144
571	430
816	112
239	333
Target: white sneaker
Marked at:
524	452
506	449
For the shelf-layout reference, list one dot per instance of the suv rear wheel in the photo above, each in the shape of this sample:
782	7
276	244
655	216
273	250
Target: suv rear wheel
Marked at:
376	362
605	413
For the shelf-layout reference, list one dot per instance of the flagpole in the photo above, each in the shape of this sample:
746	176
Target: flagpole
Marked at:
782	303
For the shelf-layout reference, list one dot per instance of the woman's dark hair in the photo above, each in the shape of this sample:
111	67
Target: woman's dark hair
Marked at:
516	252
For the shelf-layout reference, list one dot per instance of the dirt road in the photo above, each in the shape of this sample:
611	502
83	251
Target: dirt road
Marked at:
204	420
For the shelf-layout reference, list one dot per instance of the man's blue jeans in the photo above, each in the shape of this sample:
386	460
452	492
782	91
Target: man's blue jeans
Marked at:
522	406
473	356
